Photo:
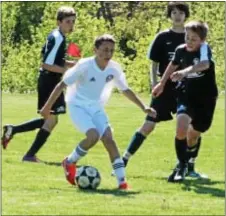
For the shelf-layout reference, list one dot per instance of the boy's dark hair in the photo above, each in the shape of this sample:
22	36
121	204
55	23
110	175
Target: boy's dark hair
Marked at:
182	6
64	12
199	27
100	39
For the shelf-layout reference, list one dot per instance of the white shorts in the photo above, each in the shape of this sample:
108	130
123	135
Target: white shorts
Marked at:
86	117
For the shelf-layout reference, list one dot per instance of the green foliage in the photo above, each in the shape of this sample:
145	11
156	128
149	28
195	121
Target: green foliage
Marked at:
25	26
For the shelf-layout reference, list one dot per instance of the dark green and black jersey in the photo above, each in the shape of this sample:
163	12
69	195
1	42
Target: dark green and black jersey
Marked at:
198	83
163	47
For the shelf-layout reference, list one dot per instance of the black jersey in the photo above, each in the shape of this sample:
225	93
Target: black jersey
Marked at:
163	47
54	50
198	83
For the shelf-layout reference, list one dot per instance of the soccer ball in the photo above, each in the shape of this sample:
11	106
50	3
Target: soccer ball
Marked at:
87	177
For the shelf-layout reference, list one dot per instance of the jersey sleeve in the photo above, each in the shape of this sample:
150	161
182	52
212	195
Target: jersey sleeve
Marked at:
155	49
120	80
205	52
73	74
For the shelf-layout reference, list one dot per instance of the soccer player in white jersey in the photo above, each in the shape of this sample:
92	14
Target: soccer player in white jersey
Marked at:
90	83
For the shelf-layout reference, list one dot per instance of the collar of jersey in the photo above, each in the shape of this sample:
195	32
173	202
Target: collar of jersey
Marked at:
97	67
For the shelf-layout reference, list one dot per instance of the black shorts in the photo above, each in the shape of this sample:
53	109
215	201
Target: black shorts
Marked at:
165	105
201	111
46	84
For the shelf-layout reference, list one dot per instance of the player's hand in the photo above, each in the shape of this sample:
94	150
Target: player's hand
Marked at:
45	112
177	75
150	111
158	89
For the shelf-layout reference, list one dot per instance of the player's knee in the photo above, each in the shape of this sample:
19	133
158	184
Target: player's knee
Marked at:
182	126
93	137
147	128
50	123
181	133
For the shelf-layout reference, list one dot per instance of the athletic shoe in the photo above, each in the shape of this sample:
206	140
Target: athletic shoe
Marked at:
124	186
181	172
69	170
193	174
172	175
30	159
7	135
178	173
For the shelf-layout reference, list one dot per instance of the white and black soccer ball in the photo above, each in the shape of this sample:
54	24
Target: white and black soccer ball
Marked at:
87	177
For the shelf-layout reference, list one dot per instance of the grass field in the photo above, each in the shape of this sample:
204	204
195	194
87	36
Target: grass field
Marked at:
41	189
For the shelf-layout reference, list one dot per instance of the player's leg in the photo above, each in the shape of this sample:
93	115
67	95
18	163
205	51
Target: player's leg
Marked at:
117	162
101	122
41	138
164	106
45	86
138	139
203	115
83	122
10	130
183	121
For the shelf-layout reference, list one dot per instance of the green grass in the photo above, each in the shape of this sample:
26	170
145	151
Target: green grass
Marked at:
38	189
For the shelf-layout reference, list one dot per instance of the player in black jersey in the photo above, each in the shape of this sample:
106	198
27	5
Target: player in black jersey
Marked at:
52	68
193	61
161	53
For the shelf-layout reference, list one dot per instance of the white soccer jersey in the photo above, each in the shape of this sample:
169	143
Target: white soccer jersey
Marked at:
88	84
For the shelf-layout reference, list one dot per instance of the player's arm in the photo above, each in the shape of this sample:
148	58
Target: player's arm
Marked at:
158	89
203	65
179	75
135	99
70	64
153	73
54	68
122	85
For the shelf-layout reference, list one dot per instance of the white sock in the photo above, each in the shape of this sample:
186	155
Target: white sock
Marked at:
119	169
77	154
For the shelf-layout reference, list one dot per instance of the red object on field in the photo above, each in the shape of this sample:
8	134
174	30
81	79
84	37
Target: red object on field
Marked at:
74	50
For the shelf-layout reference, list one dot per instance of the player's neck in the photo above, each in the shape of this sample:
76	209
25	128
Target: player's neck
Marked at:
102	65
178	29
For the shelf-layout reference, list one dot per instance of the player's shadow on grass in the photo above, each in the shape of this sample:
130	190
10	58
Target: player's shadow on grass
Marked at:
115	192
52	163
202	186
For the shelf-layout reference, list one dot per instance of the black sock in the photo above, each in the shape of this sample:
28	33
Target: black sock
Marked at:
28	126
181	150
136	142
40	139
194	150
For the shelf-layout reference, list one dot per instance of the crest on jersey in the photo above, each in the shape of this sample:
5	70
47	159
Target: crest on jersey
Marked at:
195	61
109	78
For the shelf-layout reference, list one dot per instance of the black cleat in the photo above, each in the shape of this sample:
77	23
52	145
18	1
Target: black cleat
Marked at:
7	135
179	173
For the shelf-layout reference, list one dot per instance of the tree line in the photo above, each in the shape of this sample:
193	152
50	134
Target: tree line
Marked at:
25	26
